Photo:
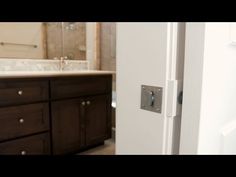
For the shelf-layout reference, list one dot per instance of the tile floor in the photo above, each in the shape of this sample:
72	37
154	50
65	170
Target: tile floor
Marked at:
107	149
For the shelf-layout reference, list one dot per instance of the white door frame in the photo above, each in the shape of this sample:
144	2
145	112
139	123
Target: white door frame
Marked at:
175	56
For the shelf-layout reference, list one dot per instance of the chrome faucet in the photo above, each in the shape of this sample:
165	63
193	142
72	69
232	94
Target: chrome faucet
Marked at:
63	63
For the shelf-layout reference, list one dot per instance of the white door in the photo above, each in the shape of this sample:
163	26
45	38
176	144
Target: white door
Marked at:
148	54
208	124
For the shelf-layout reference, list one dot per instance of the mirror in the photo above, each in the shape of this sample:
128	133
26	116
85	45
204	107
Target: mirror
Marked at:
38	40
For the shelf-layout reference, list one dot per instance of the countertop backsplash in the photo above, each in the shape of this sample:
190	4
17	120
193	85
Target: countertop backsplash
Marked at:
41	65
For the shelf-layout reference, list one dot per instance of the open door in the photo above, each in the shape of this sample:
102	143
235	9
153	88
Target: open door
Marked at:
149	54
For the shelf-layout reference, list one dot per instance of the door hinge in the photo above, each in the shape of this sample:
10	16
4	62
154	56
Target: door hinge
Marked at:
174	87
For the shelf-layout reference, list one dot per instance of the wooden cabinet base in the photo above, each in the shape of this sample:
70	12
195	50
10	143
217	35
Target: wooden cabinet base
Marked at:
74	111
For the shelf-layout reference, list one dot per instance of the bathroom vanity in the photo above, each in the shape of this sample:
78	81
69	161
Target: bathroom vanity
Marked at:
54	112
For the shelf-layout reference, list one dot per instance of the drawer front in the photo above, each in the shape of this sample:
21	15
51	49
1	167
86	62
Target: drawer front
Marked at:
23	120
84	85
33	145
15	91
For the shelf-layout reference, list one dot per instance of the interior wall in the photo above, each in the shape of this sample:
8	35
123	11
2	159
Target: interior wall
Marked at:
91	44
108	48
108	59
54	40
22	33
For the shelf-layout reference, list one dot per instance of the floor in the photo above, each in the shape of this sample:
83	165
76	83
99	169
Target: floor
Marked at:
107	149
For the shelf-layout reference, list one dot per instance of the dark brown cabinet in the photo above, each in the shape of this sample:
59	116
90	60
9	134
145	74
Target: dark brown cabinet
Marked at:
23	120
66	126
22	91
32	145
79	86
80	123
85	119
24	116
97	119
54	115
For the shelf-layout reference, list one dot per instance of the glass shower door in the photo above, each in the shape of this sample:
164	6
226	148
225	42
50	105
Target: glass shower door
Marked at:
66	39
74	40
54	44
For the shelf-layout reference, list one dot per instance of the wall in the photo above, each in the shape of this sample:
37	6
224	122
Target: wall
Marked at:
54	39
91	44
209	114
108	48
24	33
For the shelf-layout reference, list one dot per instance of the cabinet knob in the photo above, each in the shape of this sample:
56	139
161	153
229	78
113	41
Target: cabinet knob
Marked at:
21	120
23	152
83	103
20	92
88	102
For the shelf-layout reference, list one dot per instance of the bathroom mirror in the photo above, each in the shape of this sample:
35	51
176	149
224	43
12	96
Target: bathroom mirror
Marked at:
44	40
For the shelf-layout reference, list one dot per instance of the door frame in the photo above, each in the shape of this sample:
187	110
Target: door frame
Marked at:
174	85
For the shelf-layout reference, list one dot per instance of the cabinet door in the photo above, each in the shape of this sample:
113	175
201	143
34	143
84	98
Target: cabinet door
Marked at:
98	119
66	126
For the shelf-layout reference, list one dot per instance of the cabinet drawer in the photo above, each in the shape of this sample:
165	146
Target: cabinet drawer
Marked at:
15	91
33	145
23	120
84	85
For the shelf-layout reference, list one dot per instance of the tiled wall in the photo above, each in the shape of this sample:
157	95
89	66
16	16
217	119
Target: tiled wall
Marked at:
108	48
66	39
40	65
53	40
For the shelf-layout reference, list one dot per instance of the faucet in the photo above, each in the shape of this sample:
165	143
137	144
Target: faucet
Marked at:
63	63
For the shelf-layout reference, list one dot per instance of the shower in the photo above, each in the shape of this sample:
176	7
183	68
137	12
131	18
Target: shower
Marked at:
66	39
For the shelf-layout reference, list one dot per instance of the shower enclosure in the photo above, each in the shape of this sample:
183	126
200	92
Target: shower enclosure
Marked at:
65	39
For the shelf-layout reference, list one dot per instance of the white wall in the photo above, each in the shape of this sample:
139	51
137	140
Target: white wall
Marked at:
209	105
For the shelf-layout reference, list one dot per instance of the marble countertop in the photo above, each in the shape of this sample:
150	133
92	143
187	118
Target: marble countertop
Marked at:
29	74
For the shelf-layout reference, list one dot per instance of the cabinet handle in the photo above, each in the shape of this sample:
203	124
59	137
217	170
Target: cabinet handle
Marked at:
21	120
20	92
88	102
83	103
23	152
